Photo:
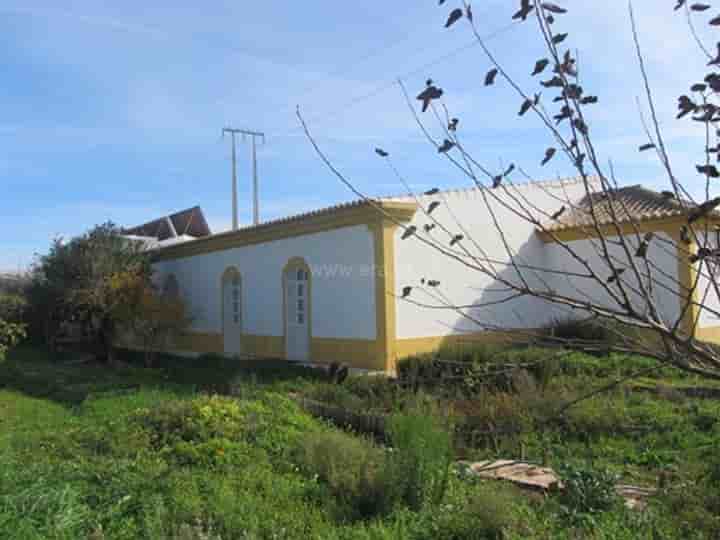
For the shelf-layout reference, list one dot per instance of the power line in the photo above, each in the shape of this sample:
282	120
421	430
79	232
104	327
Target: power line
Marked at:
345	68
390	84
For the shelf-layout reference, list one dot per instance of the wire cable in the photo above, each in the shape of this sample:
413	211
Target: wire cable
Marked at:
389	84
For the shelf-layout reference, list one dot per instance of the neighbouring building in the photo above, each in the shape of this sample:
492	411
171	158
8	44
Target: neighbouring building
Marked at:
327	285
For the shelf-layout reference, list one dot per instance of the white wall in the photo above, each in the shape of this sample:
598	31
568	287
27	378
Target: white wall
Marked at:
460	285
343	284
706	293
663	272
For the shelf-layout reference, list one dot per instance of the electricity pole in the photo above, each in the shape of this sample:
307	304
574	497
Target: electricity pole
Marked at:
254	135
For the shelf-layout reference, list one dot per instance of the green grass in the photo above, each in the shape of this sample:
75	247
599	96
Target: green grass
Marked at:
91	452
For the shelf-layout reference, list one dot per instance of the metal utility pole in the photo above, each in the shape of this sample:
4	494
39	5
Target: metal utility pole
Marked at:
254	135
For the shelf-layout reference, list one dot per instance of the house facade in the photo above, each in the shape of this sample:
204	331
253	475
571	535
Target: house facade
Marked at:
327	286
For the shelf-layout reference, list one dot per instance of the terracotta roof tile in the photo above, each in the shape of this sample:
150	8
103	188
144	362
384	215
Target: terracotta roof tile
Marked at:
312	213
633	202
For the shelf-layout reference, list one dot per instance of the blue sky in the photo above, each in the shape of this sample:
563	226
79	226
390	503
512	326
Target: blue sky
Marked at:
113	111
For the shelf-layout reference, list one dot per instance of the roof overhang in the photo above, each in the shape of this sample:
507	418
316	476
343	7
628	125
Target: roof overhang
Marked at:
366	212
670	225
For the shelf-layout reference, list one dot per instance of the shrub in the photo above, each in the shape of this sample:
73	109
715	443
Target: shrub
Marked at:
350	467
695	509
670	394
470	368
215	373
196	531
10	335
582	330
215	429
711	475
259	502
601	415
705	422
587	492
495	417
12	307
502	412
376	391
600	333
158	524
486	515
336	394
472	353
419	464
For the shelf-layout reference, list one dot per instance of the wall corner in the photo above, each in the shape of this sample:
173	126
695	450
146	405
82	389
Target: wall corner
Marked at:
384	269
687	280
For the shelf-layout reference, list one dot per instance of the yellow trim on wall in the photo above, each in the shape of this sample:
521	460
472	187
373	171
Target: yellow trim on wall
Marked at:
669	225
376	354
264	346
198	342
587	232
385	317
343	216
297	263
356	353
687	272
411	346
710	334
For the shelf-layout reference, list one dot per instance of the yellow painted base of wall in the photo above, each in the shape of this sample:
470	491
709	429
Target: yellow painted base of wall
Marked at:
412	346
263	346
356	353
711	334
199	342
190	342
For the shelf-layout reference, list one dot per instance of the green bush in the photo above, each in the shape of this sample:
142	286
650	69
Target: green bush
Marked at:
711	475
695	509
376	390
487	514
597	332
215	429
418	466
587	492
336	394
12	307
350	467
579	330
468	369
705	422
215	373
602	415
10	335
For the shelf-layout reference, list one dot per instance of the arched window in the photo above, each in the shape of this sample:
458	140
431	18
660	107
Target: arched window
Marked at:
297	307
232	310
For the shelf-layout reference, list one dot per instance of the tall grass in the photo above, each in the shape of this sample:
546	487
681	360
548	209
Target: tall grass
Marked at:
418	467
163	462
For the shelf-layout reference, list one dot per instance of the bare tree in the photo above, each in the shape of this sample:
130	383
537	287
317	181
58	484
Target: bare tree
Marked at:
615	249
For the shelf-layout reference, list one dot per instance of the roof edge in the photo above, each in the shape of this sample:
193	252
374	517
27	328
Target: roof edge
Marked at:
365	211
557	182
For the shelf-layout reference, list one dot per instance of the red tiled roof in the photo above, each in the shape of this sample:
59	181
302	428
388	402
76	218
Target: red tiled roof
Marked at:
634	203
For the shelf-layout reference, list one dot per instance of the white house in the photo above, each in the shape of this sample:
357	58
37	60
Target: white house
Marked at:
328	285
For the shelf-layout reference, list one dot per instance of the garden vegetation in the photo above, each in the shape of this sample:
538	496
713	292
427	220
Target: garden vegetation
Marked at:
89	451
